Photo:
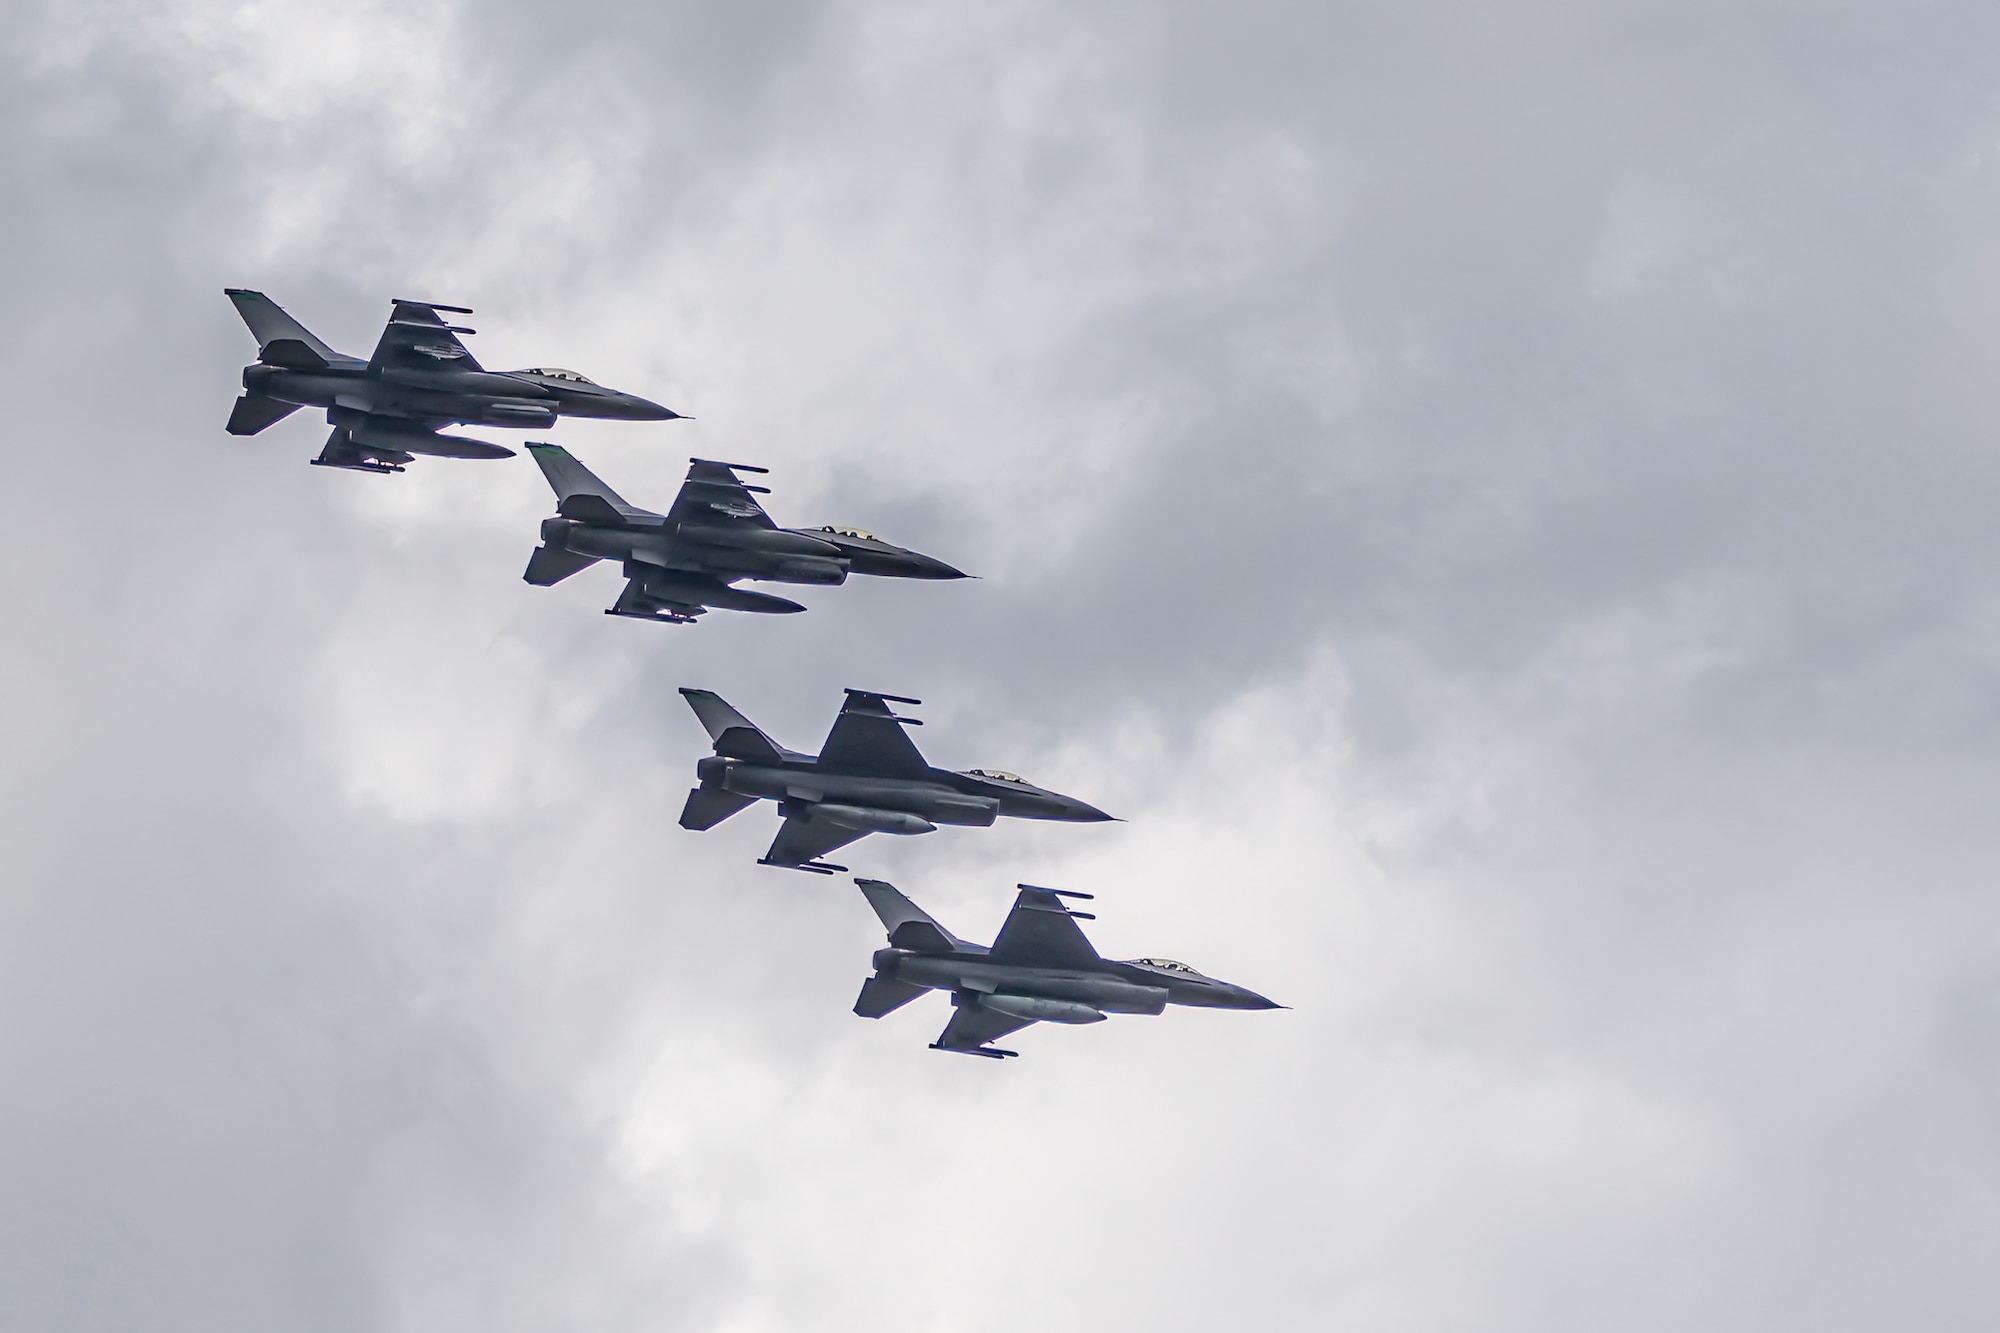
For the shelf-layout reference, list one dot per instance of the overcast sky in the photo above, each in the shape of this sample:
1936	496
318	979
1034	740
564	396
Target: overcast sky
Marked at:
1499	498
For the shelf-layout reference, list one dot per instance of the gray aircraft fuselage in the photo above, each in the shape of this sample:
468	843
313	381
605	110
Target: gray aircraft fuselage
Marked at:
891	805
352	393
777	555
1109	987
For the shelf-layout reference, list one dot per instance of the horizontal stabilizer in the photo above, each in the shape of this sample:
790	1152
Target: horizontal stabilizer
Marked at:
880	996
708	806
549	566
251	415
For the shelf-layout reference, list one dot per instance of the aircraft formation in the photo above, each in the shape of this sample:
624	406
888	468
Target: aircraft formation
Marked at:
868	776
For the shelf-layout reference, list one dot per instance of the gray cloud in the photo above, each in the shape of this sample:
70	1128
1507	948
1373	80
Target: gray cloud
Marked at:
1498	500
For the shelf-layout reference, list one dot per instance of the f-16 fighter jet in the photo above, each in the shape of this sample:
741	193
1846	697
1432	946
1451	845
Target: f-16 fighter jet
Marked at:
1039	969
682	562
867	778
386	410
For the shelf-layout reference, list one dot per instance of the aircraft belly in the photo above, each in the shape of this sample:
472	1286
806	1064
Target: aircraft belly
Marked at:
934	802
1099	992
930	801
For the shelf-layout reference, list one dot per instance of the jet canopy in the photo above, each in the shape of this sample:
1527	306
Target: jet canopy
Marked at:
998	775
1167	965
839	530
558	373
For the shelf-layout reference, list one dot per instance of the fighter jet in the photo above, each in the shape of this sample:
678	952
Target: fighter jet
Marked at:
868	778
682	562
1039	969
387	409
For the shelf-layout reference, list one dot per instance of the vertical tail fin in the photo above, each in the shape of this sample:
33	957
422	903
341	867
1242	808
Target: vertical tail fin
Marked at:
270	324
909	926
734	734
569	477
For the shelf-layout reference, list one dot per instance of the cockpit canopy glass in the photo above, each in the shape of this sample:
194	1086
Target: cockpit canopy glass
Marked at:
998	775
859	533
558	373
1167	965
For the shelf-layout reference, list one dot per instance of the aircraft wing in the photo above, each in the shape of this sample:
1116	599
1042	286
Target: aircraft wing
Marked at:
1041	931
868	738
805	839
418	338
713	496
972	1026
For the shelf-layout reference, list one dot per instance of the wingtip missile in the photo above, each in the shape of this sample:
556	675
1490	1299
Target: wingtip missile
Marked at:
887	698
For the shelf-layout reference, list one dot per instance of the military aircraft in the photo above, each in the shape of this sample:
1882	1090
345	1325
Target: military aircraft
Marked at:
682	562
1039	969
387	409
867	778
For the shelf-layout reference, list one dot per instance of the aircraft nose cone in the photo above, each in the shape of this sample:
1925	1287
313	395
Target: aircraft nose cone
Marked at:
1082	812
928	568
1249	999
645	409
